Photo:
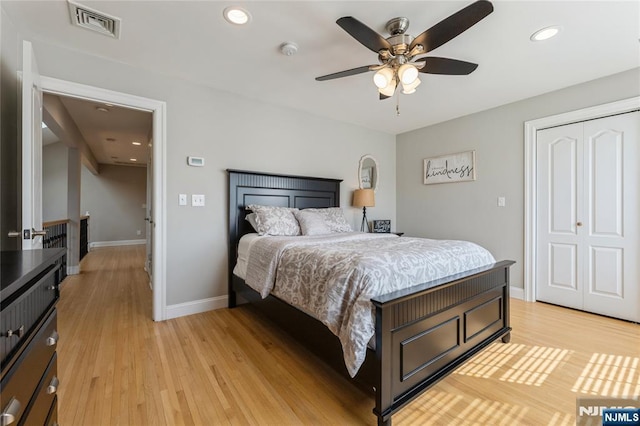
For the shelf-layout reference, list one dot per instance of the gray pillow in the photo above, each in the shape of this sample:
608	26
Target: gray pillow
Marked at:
312	223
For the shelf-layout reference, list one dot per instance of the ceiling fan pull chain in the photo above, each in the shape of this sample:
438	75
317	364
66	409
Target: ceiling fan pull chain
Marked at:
397	105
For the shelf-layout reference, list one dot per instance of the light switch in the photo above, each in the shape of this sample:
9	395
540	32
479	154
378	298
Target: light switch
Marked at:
182	199
502	201
197	200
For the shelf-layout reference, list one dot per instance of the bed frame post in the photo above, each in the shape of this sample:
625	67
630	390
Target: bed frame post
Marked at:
384	396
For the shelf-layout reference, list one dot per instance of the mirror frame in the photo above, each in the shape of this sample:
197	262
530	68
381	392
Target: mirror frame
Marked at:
376	183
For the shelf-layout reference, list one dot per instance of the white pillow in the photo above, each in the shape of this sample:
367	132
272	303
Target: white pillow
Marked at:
272	220
251	218
312	223
333	218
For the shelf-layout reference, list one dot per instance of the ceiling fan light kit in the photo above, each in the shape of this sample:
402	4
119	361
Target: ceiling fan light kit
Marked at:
398	53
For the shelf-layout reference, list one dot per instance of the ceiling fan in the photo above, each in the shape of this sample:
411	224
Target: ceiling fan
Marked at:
398	54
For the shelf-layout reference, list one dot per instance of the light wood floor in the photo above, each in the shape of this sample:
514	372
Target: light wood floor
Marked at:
118	367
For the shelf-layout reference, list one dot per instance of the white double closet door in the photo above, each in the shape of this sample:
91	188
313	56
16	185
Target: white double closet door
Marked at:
588	216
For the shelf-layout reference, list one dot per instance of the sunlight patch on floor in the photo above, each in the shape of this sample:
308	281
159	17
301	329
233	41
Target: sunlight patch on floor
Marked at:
609	375
562	419
439	408
534	367
489	361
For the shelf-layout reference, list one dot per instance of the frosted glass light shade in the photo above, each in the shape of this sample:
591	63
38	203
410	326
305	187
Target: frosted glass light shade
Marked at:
408	89
388	91
408	73
383	77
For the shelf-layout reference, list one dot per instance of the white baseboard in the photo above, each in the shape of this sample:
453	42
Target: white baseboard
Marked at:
516	292
195	307
96	244
73	270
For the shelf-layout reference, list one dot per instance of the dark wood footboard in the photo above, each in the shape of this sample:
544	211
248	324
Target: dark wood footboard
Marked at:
424	333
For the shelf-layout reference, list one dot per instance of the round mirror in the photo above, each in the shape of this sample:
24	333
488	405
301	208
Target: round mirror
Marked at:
368	173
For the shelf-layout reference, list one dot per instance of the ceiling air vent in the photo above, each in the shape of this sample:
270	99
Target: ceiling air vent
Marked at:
91	19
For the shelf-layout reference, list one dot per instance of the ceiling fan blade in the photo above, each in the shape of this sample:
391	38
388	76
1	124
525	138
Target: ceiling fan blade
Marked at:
365	35
435	65
345	73
453	26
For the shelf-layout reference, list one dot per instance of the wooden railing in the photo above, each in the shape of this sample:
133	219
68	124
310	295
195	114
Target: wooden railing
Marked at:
57	238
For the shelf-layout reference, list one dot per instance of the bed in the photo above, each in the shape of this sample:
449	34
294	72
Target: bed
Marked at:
421	333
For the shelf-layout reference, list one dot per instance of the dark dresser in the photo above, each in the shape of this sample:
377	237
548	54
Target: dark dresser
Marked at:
28	336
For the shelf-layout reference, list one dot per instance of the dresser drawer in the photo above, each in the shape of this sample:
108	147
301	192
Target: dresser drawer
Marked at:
22	379
21	315
52	418
38	410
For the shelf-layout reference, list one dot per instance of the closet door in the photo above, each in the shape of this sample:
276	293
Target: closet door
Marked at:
589	216
560	215
612	190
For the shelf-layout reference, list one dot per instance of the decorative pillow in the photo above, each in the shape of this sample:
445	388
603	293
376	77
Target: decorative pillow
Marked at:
312	223
272	220
333	218
252	219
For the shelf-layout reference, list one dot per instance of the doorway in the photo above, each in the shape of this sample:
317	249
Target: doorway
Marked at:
158	178
591	258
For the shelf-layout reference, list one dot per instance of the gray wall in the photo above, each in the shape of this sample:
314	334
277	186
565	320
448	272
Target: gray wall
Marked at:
469	210
114	199
54	181
10	201
230	132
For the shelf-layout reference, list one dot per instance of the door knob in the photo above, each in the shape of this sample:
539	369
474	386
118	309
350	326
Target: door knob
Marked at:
579	223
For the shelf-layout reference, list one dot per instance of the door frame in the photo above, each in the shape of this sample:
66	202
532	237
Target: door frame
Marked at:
158	109
530	175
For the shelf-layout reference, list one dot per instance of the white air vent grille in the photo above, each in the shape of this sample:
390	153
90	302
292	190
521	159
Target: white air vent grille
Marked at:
90	19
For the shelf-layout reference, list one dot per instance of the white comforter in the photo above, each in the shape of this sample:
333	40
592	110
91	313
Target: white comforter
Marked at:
334	277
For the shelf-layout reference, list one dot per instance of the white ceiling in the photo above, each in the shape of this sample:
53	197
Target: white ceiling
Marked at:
191	40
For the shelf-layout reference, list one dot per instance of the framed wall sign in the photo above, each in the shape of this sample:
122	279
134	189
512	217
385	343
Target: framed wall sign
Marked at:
450	168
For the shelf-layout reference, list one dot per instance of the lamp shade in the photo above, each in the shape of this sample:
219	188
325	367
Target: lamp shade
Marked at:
364	198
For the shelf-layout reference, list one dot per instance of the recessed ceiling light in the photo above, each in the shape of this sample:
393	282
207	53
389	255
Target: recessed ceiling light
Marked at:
133	159
236	15
136	143
102	109
545	33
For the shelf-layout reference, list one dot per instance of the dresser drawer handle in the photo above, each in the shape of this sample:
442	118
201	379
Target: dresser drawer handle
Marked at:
17	332
53	339
10	412
53	386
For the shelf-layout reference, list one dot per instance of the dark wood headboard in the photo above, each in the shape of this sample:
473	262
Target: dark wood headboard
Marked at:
273	190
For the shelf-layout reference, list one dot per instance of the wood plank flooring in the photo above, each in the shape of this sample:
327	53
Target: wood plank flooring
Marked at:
118	367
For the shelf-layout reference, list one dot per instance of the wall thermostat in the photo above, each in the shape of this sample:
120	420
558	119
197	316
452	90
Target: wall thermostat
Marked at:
195	161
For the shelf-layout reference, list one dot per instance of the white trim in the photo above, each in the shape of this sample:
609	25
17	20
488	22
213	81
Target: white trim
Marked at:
96	244
530	164
158	108
196	307
516	292
73	270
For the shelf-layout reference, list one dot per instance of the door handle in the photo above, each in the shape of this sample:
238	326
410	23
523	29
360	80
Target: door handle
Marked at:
579	224
35	233
14	234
